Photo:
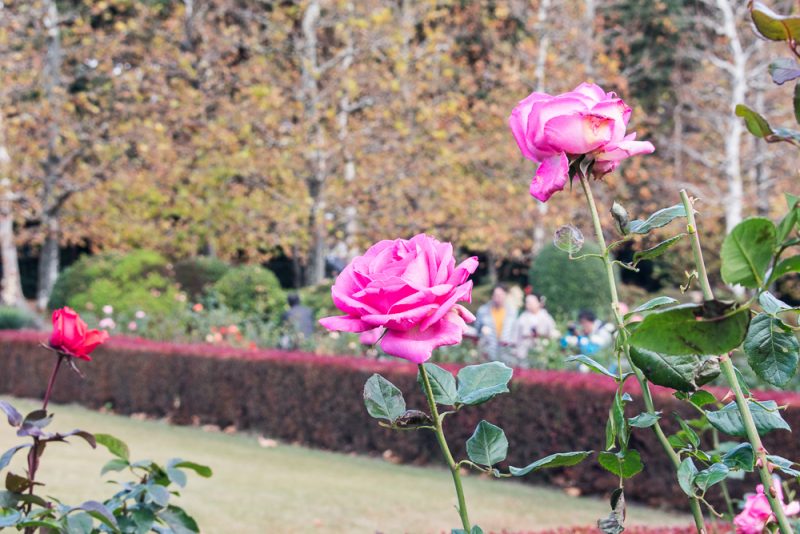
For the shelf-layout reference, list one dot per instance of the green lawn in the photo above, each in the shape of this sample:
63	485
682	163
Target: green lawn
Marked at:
293	489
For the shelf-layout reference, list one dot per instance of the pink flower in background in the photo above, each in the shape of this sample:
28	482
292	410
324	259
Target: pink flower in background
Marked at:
757	512
132	326
108	323
108	309
409	287
555	130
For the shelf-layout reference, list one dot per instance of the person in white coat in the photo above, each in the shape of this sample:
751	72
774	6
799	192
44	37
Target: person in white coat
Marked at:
533	325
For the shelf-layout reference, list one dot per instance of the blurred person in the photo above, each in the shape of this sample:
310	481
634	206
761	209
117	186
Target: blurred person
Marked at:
494	324
590	335
300	322
534	324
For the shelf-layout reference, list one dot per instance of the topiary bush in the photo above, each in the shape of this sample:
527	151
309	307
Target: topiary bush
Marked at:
12	318
195	275
252	290
137	281
570	285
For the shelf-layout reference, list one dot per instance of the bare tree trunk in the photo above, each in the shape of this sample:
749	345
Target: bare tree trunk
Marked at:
315	269
733	138
539	233
590	10
49	258
491	267
346	106
11	291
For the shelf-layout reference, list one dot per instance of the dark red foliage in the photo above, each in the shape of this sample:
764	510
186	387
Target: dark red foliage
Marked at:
317	401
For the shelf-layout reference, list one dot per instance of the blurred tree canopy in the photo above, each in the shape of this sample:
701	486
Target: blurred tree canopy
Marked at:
246	129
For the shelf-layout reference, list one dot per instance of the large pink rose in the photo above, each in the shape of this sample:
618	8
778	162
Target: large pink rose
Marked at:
757	512
555	130
411	289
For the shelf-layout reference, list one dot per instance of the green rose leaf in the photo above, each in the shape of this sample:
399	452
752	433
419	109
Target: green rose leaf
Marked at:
561	459
623	464
202	470
686	473
651	304
772	350
773	26
487	445
788	222
10	517
787	466
740	457
115	446
5	459
645	420
591	364
713	475
709	328
99	512
701	398
747	251
658	219
158	494
766	415
683	373
772	305
382	399
178	520
443	384
785	266
480	383
658	250
116	464
756	124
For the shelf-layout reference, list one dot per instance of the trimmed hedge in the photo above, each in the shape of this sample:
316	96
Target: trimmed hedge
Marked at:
317	401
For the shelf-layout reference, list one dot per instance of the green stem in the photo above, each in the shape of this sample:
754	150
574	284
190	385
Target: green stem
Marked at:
694	504
724	484
726	365
451	463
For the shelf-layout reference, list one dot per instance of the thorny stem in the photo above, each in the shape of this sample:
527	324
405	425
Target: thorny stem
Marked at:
694	504
730	375
451	463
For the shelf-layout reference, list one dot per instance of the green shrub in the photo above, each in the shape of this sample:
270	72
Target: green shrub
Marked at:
252	290
570	285
12	318
195	275
318	298
139	280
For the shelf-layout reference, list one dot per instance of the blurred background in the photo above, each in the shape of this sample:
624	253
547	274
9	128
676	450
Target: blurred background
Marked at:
191	162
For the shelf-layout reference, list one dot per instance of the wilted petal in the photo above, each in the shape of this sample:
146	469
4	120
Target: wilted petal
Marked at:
624	149
551	176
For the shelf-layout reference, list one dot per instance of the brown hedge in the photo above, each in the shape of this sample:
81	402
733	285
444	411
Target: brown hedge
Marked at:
317	401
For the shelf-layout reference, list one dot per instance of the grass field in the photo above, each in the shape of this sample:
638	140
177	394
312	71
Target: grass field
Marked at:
288	489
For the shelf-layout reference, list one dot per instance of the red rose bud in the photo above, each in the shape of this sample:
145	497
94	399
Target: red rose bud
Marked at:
71	337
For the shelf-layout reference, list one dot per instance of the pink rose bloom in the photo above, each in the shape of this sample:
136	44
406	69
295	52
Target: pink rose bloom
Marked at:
757	512
72	337
410	288
554	131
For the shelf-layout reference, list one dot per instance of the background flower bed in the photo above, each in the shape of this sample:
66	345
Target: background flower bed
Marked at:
547	411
